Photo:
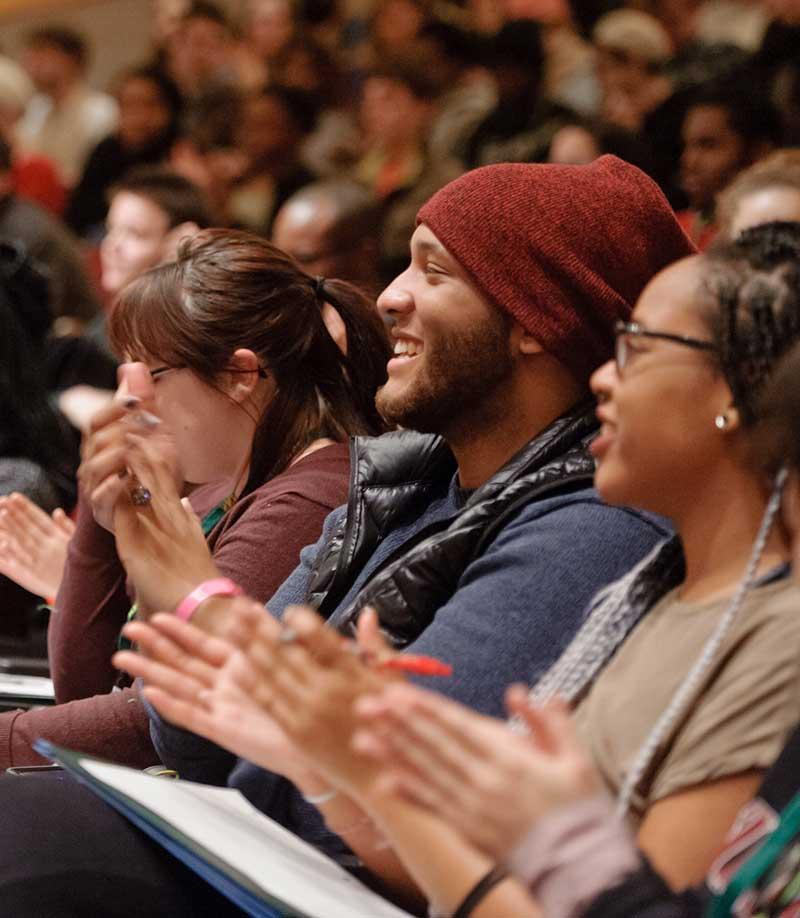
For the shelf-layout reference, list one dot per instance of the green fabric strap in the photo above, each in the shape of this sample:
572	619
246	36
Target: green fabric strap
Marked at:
752	871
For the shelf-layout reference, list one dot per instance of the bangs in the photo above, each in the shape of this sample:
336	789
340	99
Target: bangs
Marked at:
148	319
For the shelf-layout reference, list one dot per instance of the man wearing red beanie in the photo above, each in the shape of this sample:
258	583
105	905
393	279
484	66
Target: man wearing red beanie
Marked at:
474	531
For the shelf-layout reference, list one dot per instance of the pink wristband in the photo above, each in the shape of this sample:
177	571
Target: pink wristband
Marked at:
219	586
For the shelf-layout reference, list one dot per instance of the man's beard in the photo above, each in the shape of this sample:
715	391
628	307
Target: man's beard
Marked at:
461	375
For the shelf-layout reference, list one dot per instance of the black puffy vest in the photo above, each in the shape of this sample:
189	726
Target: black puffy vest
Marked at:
398	470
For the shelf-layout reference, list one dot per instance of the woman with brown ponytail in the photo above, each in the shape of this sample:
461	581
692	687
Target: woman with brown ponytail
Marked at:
244	379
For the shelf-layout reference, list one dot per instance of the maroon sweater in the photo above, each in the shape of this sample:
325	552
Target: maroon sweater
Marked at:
256	544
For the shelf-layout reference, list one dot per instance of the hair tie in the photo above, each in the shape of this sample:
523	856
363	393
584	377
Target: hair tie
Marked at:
319	289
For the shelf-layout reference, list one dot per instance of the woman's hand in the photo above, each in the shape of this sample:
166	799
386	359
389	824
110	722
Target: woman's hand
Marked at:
309	685
162	544
33	545
205	684
474	772
104	475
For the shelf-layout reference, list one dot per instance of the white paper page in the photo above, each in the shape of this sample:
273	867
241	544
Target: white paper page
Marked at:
27	686
223	822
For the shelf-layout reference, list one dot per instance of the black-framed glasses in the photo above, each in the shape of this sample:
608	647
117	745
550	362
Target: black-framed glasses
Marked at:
626	330
160	371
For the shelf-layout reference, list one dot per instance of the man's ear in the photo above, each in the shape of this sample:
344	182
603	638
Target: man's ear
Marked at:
174	237
242	375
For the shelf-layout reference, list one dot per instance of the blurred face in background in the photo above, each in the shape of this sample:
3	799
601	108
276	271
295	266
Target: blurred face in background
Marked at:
713	154
143	112
270	27
267	129
137	239
50	68
391	115
397	22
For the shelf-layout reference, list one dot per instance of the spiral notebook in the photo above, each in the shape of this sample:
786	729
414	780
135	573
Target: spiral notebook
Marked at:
262	867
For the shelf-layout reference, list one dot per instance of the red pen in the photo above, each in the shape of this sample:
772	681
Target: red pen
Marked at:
417	665
413	664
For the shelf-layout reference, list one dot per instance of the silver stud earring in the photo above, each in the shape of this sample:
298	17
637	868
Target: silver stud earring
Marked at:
721	421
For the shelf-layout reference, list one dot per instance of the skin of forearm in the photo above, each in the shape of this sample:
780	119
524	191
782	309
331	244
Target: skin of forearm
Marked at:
344	816
443	865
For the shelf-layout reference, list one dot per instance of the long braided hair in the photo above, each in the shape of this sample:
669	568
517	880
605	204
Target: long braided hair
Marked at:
755	284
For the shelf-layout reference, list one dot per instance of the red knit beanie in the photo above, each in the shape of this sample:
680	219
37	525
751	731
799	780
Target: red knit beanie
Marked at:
565	249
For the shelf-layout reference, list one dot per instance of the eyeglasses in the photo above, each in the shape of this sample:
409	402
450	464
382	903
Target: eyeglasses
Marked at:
160	371
626	330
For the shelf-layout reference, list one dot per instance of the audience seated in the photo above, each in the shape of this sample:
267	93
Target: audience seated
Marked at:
329	228
453	525
65	119
726	128
47	241
35	176
719	653
273	125
149	109
472	532
39	456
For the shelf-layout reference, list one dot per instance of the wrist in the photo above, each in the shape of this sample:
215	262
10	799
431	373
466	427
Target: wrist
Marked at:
213	588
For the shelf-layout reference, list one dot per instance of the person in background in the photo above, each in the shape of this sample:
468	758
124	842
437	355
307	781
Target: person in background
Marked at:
65	119
38	456
149	112
727	126
198	55
269	28
151	210
396	109
584	139
632	48
35	176
273	124
48	242
329	228
520	126
767	191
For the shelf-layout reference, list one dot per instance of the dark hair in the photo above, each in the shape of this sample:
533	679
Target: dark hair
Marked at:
778	440
5	155
519	44
203	9
751	114
755	282
167	89
229	289
181	200
411	74
299	104
29	427
67	40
